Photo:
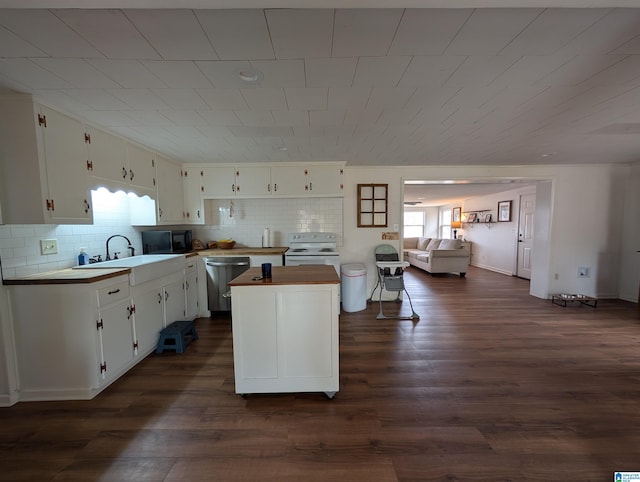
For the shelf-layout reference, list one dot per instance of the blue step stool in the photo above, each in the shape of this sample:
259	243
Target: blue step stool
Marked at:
177	336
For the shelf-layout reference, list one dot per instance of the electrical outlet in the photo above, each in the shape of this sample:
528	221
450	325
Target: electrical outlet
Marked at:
584	272
48	246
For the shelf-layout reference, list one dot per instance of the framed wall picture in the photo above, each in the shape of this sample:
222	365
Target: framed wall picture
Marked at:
455	215
504	211
472	217
487	218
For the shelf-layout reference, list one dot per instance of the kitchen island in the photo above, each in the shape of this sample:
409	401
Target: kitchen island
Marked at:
285	330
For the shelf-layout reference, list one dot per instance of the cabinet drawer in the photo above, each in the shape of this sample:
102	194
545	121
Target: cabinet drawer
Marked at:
190	265
112	293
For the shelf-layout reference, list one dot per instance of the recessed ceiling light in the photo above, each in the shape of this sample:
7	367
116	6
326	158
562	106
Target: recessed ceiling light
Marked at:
250	76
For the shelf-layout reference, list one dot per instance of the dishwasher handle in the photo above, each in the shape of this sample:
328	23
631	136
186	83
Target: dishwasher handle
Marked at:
236	263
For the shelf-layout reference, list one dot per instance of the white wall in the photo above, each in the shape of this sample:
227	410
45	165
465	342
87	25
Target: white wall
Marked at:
630	256
584	226
495	245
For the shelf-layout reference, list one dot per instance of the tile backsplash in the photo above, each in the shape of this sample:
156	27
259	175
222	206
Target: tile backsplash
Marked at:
245	219
20	243
245	222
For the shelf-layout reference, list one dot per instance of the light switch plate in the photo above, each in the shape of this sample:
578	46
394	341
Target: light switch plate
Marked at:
48	246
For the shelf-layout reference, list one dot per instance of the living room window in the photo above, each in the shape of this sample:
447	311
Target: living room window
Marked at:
445	223
414	224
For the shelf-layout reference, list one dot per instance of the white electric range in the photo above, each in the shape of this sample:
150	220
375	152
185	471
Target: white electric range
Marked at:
312	248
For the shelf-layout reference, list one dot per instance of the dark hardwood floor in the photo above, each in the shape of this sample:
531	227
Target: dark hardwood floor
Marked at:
490	384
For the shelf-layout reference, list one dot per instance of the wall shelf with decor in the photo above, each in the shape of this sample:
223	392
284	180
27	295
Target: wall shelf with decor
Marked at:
478	216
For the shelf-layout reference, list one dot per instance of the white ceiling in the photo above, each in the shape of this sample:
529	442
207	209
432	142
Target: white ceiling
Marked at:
395	86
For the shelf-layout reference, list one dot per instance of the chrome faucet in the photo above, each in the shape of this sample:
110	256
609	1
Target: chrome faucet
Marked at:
129	247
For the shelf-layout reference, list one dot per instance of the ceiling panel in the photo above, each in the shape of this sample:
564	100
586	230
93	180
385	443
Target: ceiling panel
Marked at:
139	99
223	99
430	70
181	98
181	74
428	31
380	71
237	34
26	72
48	33
330	72
77	72
174	34
488	31
552	30
480	70
300	33
364	32
130	74
97	99
13	46
110	32
265	99
281	73
612	31
306	99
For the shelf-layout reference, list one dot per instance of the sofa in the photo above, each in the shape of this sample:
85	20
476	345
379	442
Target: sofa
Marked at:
436	255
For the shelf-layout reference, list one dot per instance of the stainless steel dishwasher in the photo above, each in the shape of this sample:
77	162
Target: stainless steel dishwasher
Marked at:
221	270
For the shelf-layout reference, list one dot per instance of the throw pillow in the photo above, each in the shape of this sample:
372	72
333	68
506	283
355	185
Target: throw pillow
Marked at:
422	243
450	244
433	244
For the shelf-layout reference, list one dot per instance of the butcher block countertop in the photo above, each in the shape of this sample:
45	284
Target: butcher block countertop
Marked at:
68	276
289	275
242	251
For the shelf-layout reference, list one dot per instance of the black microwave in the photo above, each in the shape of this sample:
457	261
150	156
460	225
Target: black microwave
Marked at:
166	242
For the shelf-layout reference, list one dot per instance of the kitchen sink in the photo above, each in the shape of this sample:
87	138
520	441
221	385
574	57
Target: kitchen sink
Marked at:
145	267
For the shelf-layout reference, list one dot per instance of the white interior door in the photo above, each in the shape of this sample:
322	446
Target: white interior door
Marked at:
525	235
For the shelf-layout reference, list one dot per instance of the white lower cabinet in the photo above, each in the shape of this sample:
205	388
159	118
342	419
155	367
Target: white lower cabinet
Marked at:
149	319
174	301
157	303
285	338
191	288
72	340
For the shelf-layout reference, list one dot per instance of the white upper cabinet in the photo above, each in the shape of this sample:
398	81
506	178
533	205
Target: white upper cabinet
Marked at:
170	201
43	159
142	170
253	181
250	181
107	160
325	180
192	182
310	180
289	180
219	182
66	160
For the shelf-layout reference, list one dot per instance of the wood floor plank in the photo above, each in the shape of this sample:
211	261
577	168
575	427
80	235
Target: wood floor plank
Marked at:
490	384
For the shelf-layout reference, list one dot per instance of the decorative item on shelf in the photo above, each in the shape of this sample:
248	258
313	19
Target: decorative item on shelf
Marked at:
487	218
504	211
456	218
472	217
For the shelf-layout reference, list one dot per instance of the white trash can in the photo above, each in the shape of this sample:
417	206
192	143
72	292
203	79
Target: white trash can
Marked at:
353	287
